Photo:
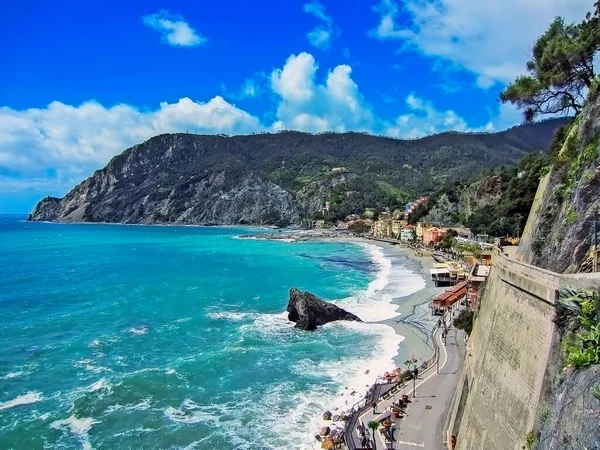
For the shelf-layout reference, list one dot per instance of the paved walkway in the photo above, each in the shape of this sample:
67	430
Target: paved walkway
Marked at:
423	424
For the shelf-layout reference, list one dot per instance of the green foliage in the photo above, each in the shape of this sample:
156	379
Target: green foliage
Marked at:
373	425
594	87
529	441
544	414
558	140
368	214
571	217
400	195
588	177
561	69
596	392
470	247
446	241
509	215
464	321
581	346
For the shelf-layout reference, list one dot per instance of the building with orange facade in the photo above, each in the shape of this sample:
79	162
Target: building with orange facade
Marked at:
431	235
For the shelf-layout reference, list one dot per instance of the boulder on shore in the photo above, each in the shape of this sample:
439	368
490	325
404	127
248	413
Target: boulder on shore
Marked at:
309	311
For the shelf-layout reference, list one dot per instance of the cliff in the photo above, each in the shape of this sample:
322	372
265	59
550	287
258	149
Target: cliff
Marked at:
279	178
532	362
559	236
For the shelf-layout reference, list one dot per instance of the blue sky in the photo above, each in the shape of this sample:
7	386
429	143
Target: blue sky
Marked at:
82	81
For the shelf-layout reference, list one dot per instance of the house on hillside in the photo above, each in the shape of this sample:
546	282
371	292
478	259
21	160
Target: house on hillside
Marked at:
397	225
408	233
419	231
431	235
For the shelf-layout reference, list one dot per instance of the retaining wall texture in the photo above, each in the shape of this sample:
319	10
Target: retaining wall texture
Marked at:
507	357
508	352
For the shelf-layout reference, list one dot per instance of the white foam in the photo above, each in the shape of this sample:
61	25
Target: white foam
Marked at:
95	343
25	399
183	415
98	385
230	315
356	374
79	427
376	303
90	366
141	406
139	330
10	375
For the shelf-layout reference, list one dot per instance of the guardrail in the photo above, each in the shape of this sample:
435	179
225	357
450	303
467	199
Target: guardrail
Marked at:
373	394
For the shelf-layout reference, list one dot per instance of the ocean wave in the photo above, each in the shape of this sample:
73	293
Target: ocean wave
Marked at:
185	415
90	366
139	330
144	405
101	384
79	427
25	399
354	375
230	315
11	375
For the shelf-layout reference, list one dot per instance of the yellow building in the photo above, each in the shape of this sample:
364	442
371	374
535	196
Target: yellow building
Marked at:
397	226
382	229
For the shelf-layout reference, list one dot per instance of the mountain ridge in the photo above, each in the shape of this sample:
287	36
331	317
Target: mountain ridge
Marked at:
280	178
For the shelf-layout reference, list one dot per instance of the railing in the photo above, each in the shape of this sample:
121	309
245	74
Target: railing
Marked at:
373	394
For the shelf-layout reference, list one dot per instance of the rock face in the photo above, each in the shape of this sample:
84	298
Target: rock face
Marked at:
277	178
309	311
560	228
570	416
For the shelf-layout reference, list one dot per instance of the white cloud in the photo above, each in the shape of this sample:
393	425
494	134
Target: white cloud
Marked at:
490	38
174	29
307	105
55	147
423	119
322	35
71	141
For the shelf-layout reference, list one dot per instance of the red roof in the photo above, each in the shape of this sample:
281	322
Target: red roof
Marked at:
451	295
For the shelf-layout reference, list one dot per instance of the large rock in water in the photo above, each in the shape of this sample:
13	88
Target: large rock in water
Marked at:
308	311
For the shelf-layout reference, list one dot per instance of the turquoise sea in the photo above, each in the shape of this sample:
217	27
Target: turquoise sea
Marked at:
142	337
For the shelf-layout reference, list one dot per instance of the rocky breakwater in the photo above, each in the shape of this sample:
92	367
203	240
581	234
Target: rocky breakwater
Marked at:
309	311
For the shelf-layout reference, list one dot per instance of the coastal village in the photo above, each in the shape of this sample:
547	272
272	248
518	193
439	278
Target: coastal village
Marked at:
460	267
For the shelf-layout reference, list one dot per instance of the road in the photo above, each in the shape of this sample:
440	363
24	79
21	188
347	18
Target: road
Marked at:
429	409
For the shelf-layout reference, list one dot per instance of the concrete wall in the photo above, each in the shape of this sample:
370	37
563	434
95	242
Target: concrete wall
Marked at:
507	355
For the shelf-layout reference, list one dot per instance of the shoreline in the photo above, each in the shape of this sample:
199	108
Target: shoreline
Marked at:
413	320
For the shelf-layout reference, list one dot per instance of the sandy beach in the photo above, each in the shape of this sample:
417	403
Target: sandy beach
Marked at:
414	321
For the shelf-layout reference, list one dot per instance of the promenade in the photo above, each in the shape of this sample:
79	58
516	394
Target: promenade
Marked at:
424	422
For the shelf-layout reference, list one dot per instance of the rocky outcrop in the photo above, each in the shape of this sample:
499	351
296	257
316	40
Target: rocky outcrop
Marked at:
570	418
309	311
559	234
454	207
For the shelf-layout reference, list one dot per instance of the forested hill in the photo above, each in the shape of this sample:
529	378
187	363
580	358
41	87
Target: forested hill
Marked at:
282	177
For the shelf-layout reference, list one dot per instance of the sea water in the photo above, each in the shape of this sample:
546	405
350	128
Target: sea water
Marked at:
176	337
